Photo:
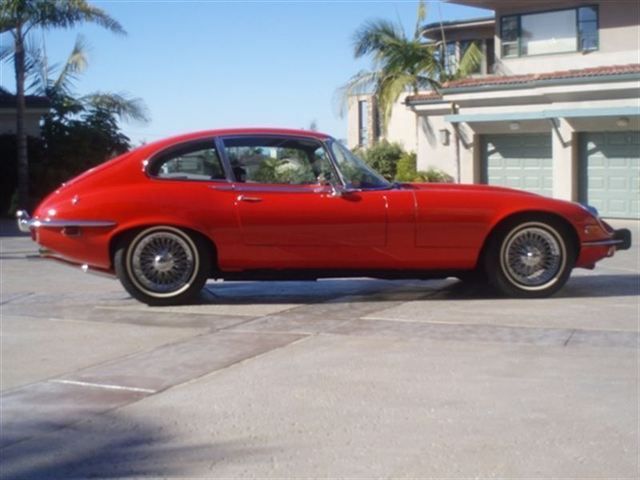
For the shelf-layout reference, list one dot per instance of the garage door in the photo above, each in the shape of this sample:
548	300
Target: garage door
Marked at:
610	172
518	161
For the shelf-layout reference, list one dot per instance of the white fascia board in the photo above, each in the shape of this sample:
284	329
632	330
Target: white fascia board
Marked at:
541	94
504	95
440	108
632	86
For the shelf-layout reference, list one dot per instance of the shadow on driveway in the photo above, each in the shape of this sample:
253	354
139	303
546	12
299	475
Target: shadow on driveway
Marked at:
370	290
111	446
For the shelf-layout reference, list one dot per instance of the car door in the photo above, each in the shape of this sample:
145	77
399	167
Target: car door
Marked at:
283	199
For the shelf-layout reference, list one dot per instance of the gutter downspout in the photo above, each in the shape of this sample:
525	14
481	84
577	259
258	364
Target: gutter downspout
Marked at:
456	133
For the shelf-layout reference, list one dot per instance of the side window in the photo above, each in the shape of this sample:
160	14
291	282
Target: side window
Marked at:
277	160
195	161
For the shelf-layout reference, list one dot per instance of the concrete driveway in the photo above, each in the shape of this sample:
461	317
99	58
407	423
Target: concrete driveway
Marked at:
336	378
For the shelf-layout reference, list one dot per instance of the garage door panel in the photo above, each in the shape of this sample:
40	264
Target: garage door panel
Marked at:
521	161
610	164
618	183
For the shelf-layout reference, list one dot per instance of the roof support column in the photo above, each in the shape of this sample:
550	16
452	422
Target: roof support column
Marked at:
564	159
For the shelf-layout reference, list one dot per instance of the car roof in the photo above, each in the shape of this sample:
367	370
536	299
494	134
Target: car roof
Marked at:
238	131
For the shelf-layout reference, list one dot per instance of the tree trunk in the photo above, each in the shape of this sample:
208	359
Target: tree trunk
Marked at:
21	134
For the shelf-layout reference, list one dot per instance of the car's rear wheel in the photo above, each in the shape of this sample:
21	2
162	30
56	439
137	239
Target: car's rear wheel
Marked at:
162	265
530	258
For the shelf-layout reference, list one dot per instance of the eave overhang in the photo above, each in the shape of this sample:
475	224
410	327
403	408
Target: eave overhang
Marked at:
544	114
444	95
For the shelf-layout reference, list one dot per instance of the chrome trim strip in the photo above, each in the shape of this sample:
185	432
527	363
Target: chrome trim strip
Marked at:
223	188
71	223
602	243
265	188
26	223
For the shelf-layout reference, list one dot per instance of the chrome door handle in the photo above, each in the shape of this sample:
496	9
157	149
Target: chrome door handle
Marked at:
245	198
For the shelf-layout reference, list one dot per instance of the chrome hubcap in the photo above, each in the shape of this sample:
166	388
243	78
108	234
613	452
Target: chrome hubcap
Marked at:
163	262
533	257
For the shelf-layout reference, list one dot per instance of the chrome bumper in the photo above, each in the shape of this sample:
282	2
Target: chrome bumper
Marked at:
26	223
621	240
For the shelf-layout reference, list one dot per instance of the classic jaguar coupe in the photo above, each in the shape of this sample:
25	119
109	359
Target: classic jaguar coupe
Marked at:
285	204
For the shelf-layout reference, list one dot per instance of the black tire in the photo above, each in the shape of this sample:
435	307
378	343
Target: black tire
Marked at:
530	257
162	265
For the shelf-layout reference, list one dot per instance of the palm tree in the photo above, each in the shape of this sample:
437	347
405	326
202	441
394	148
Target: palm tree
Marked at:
19	17
57	82
400	62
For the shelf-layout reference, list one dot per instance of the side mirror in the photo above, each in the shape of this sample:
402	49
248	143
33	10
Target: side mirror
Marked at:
337	189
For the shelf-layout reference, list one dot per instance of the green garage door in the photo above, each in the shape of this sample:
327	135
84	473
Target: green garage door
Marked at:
520	161
610	172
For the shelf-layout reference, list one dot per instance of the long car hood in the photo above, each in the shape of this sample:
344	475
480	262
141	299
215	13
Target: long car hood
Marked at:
466	188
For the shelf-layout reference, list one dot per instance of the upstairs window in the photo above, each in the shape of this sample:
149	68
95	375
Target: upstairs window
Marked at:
557	31
588	28
363	123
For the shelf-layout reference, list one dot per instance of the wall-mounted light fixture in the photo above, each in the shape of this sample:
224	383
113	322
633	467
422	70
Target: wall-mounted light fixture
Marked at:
623	122
444	136
514	126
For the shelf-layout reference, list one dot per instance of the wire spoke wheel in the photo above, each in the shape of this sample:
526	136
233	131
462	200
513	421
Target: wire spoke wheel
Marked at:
163	262
533	256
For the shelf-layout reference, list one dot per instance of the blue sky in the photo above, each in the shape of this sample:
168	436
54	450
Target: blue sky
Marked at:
200	65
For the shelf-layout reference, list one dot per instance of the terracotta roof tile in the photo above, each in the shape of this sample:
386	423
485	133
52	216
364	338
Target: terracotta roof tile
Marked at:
529	78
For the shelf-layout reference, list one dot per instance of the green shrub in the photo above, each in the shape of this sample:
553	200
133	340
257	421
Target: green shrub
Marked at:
395	164
406	170
434	175
383	157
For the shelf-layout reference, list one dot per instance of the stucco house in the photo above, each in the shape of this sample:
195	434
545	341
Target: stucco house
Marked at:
36	107
555	109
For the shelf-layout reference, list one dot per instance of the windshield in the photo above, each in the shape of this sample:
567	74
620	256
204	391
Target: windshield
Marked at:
355	172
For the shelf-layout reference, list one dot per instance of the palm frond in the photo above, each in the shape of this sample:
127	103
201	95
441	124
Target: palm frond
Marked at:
119	104
470	61
68	13
361	83
36	68
374	36
8	17
420	18
391	87
75	65
6	52
426	82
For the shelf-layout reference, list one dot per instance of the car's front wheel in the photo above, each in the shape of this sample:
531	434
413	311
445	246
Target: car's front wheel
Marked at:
162	265
530	258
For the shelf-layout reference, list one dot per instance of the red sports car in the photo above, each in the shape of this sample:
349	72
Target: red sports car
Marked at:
286	204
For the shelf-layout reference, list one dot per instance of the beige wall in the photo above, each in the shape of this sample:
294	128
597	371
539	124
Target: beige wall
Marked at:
619	38
402	126
432	153
8	122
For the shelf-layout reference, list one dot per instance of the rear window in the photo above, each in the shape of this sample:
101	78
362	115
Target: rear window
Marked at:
194	161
